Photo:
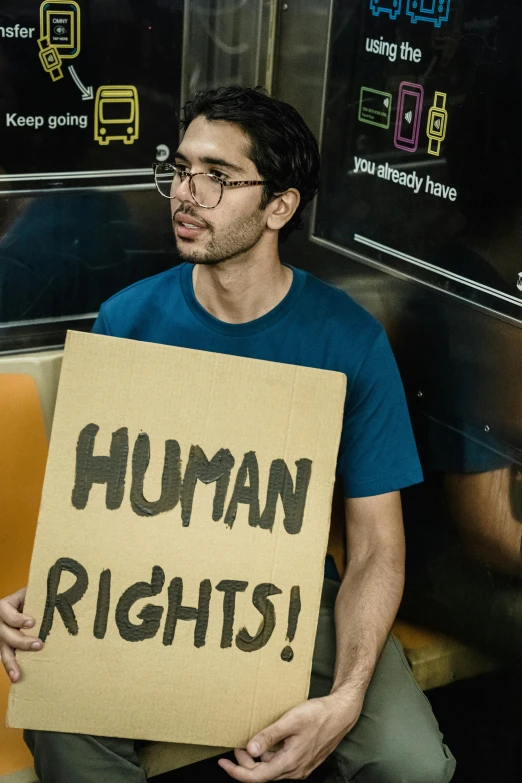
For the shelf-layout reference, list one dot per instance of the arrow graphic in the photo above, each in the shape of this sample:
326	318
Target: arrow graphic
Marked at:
87	93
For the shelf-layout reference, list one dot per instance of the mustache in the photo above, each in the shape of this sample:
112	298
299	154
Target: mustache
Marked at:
186	209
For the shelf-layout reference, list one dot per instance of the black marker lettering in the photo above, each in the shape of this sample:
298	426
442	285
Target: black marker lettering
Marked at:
229	587
294	610
245	493
177	612
280	484
198	467
170	481
63	601
150	615
260	600
100	470
102	605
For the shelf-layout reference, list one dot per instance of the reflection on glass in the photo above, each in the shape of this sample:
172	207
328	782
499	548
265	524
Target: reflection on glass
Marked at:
228	42
64	254
464	539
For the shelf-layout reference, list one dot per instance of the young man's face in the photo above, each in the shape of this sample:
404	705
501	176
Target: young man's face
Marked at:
208	236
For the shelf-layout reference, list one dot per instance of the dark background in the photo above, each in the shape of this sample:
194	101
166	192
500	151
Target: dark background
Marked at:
475	59
125	42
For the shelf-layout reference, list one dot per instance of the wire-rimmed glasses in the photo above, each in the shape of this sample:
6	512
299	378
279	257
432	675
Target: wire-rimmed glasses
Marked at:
205	189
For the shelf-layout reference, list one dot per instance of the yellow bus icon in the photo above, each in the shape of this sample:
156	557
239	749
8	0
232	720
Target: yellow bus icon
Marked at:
116	114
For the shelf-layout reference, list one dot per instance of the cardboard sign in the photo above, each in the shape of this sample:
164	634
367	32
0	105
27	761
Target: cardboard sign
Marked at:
178	560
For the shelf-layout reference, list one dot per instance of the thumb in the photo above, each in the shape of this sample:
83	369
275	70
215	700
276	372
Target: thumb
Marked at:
266	739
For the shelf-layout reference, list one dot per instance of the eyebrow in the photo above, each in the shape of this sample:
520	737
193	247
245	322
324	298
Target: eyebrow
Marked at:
221	162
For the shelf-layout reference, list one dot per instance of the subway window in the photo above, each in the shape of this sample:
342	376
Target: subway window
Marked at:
90	98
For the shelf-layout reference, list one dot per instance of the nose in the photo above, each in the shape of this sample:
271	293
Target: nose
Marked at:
182	190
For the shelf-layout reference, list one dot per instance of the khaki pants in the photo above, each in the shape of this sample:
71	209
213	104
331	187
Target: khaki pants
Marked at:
396	739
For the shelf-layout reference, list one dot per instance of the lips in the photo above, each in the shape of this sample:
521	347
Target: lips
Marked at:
187	226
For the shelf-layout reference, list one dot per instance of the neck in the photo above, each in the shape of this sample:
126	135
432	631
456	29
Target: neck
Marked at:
243	288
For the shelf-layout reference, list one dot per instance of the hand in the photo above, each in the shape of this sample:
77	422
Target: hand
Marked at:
12	638
309	733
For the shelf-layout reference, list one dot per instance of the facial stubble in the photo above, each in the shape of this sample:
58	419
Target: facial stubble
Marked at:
229	242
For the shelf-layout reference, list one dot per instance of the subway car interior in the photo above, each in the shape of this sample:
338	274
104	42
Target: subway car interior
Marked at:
414	104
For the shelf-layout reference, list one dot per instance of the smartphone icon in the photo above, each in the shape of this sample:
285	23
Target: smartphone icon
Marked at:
409	113
60	27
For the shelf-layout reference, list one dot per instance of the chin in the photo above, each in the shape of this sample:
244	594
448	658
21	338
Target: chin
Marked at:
194	258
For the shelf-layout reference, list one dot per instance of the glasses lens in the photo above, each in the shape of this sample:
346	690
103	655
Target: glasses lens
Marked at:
206	190
167	180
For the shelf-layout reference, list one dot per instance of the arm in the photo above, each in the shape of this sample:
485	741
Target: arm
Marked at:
365	609
370	592
480	507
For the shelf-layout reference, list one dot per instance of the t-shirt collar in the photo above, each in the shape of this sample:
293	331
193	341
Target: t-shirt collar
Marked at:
250	327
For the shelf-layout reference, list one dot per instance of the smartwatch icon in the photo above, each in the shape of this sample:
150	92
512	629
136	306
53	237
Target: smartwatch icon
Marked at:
437	123
50	59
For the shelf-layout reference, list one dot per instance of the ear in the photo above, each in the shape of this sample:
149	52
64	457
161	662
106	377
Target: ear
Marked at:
282	209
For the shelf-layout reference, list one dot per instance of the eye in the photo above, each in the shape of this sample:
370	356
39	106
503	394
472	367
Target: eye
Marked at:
180	168
218	174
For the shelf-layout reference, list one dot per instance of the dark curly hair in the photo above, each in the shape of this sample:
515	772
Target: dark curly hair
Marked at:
282	146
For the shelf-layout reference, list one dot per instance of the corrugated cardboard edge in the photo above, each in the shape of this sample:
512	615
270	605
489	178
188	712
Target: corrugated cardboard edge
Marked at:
160	757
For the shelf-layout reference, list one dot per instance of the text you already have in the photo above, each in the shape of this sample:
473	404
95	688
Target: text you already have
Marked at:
408	179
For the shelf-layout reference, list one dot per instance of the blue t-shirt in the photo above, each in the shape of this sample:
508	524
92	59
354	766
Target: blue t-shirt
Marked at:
315	325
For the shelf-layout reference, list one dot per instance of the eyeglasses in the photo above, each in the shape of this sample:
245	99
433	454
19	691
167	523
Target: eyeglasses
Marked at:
205	189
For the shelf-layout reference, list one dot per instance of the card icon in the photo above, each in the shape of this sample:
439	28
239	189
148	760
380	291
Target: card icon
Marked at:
60	27
375	107
409	113
434	11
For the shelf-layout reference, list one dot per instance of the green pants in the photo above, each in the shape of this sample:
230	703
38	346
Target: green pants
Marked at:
396	739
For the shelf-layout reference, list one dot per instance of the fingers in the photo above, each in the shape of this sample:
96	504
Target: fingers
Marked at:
9	662
12	638
273	765
15	640
268	756
11	611
244	759
270	737
261	772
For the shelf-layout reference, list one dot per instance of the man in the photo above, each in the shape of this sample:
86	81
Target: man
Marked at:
245	169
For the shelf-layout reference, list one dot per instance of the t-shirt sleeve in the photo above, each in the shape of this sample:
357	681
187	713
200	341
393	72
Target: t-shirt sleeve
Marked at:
377	451
101	325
